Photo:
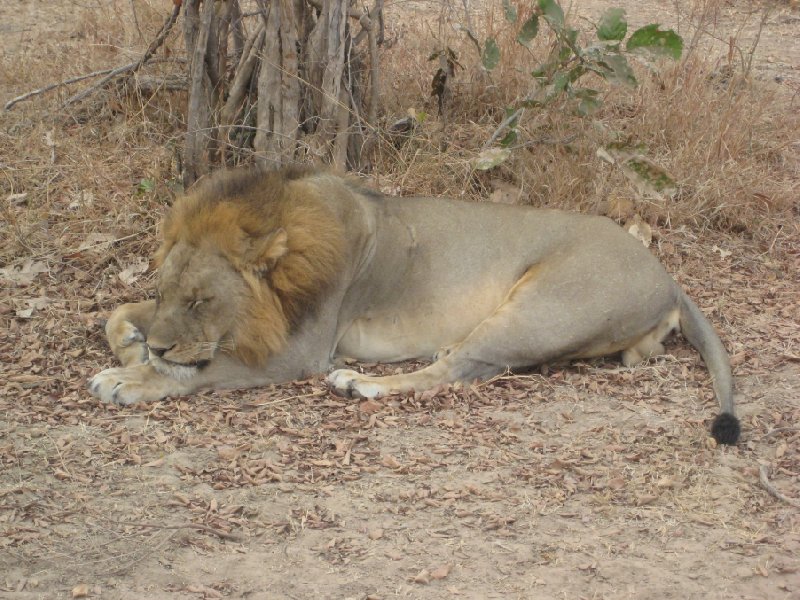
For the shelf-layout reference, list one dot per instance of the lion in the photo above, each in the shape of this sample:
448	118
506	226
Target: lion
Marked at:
272	276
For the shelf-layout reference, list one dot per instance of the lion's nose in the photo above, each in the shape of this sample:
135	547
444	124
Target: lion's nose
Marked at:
159	351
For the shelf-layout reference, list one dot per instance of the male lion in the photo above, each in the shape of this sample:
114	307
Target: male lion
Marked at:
269	276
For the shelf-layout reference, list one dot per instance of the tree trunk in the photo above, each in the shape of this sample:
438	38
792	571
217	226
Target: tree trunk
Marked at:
285	85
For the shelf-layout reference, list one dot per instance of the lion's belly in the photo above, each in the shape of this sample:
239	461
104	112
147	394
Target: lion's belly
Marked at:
405	331
387	340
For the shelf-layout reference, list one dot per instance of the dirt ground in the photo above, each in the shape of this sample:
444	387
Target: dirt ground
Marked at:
579	481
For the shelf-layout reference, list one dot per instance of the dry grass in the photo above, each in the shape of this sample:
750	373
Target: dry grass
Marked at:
731	143
728	144
589	480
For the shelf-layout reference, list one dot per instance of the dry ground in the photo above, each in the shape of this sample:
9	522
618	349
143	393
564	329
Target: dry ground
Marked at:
582	481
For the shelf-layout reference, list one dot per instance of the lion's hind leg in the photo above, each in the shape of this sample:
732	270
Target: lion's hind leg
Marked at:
534	324
650	344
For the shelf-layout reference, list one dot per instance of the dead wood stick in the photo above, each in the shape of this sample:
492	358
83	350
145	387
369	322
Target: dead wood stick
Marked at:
43	90
374	79
244	74
778	430
134	66
53	86
198	526
375	13
773	491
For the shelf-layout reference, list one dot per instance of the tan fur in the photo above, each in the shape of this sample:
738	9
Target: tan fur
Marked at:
267	277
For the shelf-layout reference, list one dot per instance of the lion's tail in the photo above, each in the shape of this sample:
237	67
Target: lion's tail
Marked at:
700	333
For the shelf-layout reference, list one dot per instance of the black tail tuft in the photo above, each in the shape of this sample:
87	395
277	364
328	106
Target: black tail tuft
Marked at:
726	429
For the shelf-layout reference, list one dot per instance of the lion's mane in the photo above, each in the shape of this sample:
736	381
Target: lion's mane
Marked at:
273	228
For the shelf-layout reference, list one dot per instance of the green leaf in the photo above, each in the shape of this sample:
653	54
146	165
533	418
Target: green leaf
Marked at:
568	47
552	12
619	69
648	177
589	101
576	73
509	138
653	40
543	71
560	82
613	25
510	11
490	158
491	54
146	186
528	31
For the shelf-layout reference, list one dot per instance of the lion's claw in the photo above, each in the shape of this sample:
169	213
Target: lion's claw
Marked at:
352	384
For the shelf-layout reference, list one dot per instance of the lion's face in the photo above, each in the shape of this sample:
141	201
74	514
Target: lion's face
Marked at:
199	294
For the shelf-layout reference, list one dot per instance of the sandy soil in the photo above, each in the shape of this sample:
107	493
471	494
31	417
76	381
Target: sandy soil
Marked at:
586	481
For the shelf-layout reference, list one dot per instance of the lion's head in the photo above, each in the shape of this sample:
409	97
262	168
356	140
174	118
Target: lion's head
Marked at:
245	256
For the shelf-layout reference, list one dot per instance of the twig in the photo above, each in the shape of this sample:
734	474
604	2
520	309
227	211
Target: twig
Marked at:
52	86
43	90
244	74
747	67
374	78
287	399
127	564
198	526
500	128
780	430
135	66
763	477
136	21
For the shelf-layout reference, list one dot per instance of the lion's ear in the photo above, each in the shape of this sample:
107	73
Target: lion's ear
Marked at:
265	251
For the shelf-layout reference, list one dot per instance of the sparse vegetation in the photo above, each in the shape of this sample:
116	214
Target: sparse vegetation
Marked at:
577	476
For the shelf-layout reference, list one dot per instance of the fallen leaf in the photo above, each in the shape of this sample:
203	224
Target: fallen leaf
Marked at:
645	499
96	242
131	273
17	199
441	571
720	251
423	577
640	230
80	591
780	450
34	304
227	452
25	274
370	406
390	461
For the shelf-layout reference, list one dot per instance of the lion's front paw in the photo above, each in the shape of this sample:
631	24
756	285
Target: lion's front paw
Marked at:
128	385
352	384
127	342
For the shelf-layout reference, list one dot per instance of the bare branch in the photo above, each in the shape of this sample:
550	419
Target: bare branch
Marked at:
773	491
53	86
132	67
